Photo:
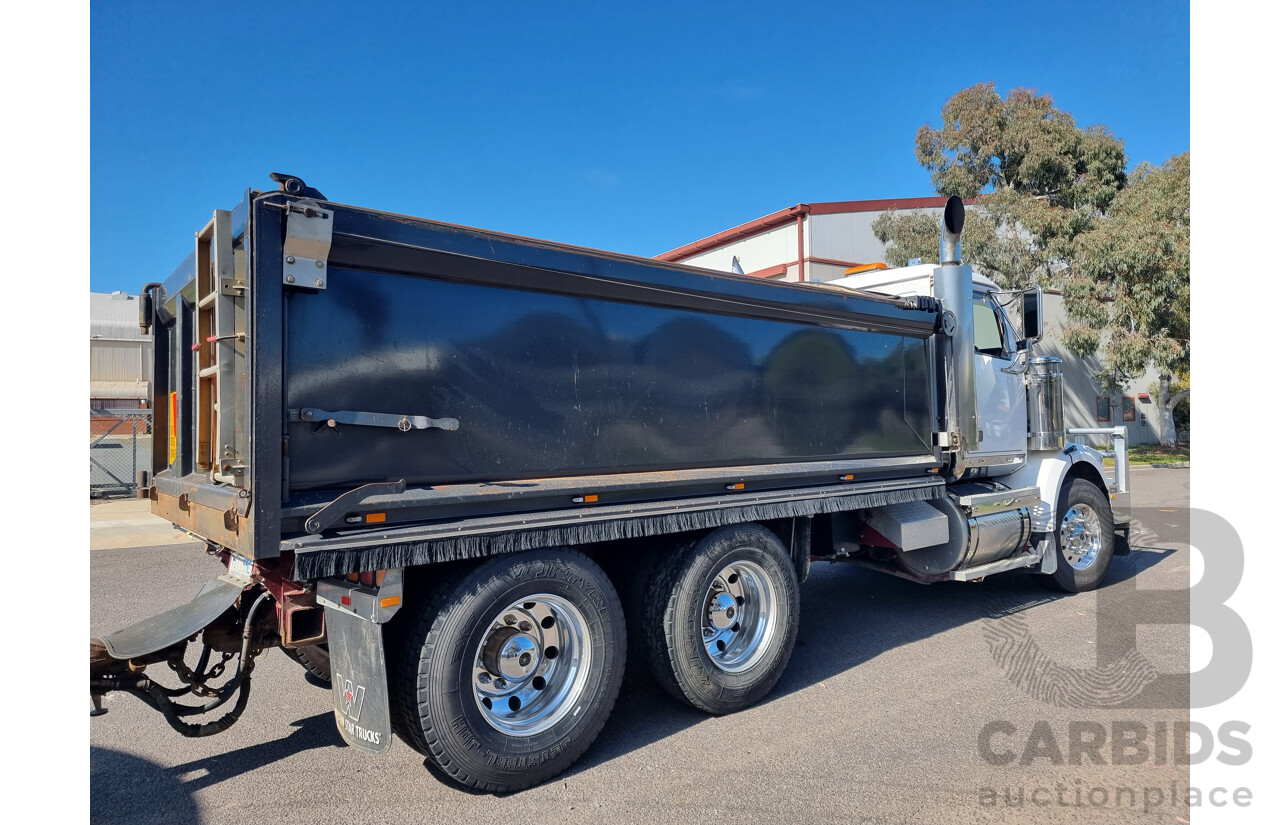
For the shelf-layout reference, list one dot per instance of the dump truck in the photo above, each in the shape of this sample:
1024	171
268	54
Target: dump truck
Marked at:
458	474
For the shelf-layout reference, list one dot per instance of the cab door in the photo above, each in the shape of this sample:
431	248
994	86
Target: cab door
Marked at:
1001	399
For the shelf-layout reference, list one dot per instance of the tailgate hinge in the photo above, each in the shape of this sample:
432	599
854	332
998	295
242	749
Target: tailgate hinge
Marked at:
308	236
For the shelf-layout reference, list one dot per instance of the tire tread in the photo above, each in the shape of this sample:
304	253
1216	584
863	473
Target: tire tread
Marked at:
660	621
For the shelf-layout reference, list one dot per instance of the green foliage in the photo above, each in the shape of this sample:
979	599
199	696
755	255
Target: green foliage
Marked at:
1021	142
909	235
1038	182
1054	206
1129	287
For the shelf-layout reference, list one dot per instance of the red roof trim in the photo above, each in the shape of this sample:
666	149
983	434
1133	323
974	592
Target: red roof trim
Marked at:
769	272
746	230
830	261
842	207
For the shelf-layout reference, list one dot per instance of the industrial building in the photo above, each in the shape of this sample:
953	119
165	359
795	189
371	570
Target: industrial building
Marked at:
816	242
119	352
119	418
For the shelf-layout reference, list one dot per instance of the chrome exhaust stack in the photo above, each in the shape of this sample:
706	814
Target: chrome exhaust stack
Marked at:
953	286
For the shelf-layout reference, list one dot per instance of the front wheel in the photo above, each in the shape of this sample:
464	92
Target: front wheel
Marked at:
1084	538
721	617
510	670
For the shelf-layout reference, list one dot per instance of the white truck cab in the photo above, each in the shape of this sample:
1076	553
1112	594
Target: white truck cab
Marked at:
998	366
1021	440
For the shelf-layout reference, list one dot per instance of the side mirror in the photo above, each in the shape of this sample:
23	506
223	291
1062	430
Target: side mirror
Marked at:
1032	314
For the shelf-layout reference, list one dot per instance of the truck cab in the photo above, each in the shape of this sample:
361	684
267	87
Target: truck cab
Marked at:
1021	439
999	361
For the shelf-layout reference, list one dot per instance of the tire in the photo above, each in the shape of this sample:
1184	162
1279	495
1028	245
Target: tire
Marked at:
315	658
703	648
1084	538
510	668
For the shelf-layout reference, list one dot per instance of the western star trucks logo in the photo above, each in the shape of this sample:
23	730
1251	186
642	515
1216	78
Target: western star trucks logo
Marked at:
350	700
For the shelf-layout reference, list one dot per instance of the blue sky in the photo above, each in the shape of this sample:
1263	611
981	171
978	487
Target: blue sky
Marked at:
633	128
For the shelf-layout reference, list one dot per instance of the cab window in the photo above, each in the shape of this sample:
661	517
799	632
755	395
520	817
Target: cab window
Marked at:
988	337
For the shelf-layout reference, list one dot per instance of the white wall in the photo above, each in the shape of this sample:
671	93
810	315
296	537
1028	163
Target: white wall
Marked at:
770	248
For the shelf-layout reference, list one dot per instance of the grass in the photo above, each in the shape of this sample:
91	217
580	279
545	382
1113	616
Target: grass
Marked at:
1154	454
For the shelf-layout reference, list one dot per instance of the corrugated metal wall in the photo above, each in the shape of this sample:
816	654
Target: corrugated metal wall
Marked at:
118	361
847	236
119	354
119	368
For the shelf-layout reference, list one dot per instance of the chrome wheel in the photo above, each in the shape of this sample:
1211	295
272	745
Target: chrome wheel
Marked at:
1081	536
532	664
739	616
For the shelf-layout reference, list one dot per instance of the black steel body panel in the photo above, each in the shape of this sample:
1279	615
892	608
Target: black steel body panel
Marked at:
184	367
476	537
546	385
374	241
268	451
554	369
560	363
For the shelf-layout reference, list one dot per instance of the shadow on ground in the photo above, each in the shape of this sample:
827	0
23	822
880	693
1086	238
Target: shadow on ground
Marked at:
127	789
886	611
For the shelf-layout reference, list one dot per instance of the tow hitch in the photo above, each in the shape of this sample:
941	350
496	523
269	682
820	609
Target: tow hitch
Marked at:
230	620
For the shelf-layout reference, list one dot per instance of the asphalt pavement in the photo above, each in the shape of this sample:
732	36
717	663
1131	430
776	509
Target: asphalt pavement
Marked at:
903	703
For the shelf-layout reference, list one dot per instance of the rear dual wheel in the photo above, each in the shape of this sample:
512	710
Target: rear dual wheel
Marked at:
510	670
720	618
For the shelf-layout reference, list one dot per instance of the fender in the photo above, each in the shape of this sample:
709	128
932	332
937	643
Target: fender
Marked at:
1049	471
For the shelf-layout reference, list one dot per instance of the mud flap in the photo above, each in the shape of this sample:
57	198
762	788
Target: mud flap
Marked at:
1047	546
359	676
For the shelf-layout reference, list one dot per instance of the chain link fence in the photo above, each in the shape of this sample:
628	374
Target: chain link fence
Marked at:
119	447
